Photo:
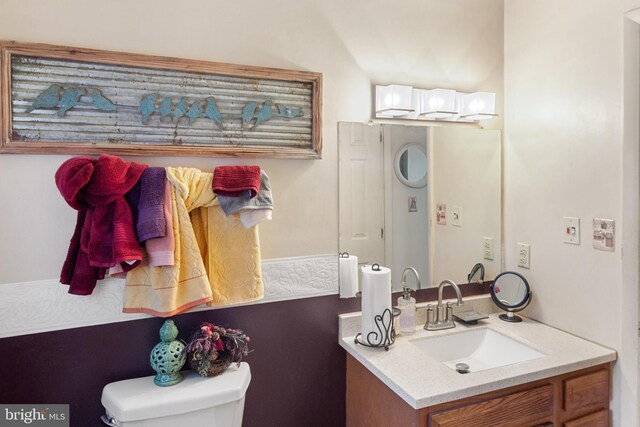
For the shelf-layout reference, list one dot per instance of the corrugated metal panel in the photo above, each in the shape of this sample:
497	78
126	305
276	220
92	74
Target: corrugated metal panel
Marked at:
126	86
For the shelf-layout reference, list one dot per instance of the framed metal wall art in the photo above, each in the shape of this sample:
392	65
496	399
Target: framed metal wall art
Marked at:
56	99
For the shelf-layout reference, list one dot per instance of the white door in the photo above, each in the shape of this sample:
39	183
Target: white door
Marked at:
361	195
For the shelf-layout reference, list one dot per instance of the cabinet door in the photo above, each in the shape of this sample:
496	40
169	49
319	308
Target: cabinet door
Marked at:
591	390
525	408
597	419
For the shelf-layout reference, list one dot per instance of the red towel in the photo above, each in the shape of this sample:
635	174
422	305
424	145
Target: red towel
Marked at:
104	234
234	181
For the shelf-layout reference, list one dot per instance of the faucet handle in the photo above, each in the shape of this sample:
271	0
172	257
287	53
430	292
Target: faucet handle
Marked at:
430	321
449	312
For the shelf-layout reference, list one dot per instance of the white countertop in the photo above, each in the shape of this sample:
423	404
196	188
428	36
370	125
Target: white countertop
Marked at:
423	381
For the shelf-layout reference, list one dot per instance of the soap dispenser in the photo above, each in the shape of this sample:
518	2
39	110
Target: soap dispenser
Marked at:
407	306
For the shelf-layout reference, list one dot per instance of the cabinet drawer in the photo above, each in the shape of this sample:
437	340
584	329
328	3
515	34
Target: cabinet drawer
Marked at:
597	419
586	390
524	408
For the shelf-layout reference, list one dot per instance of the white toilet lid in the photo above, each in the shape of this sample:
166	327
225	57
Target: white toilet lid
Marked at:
141	399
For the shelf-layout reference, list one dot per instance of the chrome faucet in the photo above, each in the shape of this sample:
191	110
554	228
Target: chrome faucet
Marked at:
443	316
404	277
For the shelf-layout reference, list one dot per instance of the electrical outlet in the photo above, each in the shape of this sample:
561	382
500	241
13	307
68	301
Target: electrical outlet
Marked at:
487	247
523	255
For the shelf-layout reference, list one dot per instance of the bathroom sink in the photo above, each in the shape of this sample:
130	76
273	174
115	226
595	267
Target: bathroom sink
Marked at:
480	349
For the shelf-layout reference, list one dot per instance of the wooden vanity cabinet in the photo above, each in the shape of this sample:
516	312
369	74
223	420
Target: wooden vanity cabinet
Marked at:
576	399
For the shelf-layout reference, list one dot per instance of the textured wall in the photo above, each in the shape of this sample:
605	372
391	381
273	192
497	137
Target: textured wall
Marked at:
571	104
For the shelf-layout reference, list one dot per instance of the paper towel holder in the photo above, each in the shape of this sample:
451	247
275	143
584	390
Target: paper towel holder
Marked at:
386	335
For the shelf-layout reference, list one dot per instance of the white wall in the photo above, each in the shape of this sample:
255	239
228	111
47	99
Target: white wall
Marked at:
354	45
571	150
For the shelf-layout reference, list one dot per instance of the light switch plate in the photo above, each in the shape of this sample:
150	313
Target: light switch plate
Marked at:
604	234
456	216
571	230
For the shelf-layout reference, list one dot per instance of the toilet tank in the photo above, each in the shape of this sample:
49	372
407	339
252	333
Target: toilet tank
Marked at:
202	401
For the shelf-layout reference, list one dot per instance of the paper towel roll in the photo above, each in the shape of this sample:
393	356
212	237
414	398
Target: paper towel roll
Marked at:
348	276
376	298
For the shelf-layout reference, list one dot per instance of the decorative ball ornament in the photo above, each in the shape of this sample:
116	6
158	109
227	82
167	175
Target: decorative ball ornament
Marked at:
167	357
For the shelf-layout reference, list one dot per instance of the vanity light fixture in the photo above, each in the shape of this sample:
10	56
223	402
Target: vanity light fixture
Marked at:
437	103
406	102
393	100
478	106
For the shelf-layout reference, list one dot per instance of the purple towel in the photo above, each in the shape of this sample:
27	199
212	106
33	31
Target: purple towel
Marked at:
151	222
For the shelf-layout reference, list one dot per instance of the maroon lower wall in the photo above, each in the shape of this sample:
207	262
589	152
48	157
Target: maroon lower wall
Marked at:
297	368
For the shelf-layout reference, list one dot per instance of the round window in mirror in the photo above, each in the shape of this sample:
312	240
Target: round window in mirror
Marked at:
410	165
511	292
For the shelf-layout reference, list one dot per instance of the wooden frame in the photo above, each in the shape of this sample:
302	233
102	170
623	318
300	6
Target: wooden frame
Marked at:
11	142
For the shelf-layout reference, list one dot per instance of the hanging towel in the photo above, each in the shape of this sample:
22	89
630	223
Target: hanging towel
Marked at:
160	249
104	233
252	211
231	254
263	200
234	180
151	219
252	217
168	290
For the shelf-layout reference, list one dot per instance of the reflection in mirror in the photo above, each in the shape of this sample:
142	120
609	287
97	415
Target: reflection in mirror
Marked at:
511	292
476	275
411	165
392	177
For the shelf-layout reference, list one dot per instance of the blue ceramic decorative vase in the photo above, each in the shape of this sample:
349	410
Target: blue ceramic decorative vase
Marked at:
167	357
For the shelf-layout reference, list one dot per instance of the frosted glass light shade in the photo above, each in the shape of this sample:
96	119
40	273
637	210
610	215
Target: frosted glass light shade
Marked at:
438	103
478	106
393	100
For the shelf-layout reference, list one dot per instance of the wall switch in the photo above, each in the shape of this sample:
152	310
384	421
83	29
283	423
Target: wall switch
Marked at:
456	216
571	229
487	247
523	255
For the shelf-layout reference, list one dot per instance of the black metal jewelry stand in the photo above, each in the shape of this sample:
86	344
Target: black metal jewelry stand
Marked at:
386	334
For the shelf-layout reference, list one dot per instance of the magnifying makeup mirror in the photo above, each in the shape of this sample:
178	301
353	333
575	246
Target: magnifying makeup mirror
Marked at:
511	292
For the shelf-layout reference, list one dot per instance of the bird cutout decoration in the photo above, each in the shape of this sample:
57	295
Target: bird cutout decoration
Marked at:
66	98
286	112
165	108
101	102
264	114
249	112
148	106
70	99
180	110
194	112
48	98
212	111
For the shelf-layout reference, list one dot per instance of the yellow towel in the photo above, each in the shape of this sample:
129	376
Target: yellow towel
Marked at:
169	290
231	255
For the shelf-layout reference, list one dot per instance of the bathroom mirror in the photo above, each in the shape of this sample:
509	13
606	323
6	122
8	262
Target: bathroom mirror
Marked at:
511	292
410	165
428	197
